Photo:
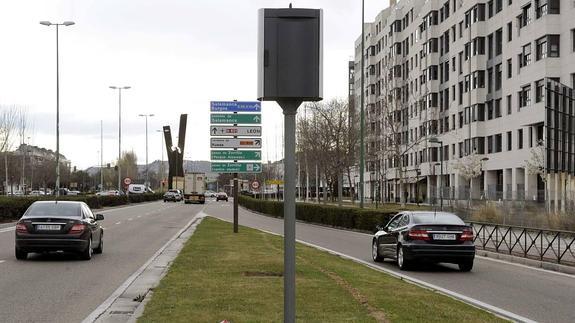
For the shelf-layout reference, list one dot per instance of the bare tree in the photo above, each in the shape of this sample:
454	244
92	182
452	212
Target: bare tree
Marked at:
469	167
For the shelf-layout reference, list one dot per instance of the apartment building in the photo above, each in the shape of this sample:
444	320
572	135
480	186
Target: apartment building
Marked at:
472	76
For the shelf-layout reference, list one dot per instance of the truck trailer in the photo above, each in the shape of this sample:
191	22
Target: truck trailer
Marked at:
194	184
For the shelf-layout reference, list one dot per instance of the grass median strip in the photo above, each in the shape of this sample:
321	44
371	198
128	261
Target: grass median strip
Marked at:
238	277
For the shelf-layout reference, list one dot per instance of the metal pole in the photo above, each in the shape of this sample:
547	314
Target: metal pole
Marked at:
57	117
441	178
235	202
289	110
101	155
362	112
147	178
119	137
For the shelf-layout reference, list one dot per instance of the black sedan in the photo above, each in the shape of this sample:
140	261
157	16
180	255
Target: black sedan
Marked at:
59	226
428	236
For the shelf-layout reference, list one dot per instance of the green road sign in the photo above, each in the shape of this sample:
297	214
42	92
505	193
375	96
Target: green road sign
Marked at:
223	118
236	155
236	167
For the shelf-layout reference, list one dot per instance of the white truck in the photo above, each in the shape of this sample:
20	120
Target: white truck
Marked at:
194	184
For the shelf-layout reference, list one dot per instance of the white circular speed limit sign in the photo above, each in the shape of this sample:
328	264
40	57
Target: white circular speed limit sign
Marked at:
127	181
255	185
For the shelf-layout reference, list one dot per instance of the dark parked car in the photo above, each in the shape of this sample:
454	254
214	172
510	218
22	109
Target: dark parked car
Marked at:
222	197
425	236
59	226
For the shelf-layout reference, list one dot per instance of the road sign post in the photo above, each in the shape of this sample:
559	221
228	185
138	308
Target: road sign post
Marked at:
294	45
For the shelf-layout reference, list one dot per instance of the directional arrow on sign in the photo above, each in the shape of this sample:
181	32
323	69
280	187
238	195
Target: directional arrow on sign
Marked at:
257	167
257	119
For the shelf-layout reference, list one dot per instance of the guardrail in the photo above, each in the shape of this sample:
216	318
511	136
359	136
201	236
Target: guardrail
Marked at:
540	244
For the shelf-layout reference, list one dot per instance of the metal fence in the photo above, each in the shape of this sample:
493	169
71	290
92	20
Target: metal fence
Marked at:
539	244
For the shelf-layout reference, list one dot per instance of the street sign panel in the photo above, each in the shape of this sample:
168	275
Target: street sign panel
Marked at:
236	167
235	131
236	155
235	143
235	106
230	118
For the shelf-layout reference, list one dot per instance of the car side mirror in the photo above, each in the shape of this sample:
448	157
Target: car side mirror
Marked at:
380	227
99	217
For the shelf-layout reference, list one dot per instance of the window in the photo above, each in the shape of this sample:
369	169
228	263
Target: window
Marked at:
489	110
540	8
539	91
509	104
573	40
509	69
520	139
489	144
498	5
489	80
490	46
553	45
509	32
498	143
509	141
525	17
498	108
498	77
498	42
525	96
490	8
541	48
526	55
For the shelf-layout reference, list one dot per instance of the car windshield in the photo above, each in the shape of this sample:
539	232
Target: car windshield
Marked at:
53	209
437	218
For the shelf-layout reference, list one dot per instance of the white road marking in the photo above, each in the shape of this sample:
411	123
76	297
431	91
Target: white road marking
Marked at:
139	216
118	222
1	261
130	219
8	229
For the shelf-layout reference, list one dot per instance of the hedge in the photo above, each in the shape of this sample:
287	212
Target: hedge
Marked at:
342	217
12	208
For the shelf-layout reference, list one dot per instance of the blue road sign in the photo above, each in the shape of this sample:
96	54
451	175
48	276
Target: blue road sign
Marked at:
235	106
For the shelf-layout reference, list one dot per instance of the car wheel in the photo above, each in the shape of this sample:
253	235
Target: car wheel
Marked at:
100	248
87	253
401	261
466	266
20	255
375	252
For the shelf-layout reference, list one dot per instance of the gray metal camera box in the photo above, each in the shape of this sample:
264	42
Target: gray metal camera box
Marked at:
290	54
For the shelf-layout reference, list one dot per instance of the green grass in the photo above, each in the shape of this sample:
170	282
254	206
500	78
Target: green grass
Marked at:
208	283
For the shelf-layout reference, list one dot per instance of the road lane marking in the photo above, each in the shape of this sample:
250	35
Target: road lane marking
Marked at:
8	229
130	219
547	271
1	261
118	222
139	216
477	303
92	317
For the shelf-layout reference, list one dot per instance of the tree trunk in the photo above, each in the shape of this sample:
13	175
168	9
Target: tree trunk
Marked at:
339	189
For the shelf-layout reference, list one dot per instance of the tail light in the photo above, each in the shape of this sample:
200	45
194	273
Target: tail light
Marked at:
21	228
466	235
77	228
418	234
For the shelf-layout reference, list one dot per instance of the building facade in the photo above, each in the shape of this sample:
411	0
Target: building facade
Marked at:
471	75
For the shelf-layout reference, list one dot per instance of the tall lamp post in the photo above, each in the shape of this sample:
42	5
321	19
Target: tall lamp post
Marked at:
362	110
119	88
65	23
435	140
146	116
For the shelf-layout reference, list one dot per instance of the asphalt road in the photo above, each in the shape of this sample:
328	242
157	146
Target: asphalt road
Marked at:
536	294
60	288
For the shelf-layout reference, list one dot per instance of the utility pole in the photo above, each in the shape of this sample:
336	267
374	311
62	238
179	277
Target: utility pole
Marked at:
119	88
147	176
362	109
101	155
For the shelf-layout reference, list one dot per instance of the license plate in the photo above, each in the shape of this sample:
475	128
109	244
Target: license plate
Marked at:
48	227
195	198
444	237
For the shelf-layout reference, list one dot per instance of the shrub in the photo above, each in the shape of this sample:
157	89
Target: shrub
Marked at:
12	208
341	217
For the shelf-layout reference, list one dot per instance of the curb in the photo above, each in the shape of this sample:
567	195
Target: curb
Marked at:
127	303
545	265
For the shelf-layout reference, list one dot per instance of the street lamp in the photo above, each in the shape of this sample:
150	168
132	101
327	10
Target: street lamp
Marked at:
146	116
435	140
65	23
119	88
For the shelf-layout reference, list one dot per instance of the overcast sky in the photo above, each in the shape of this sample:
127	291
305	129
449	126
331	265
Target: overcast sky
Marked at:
177	55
